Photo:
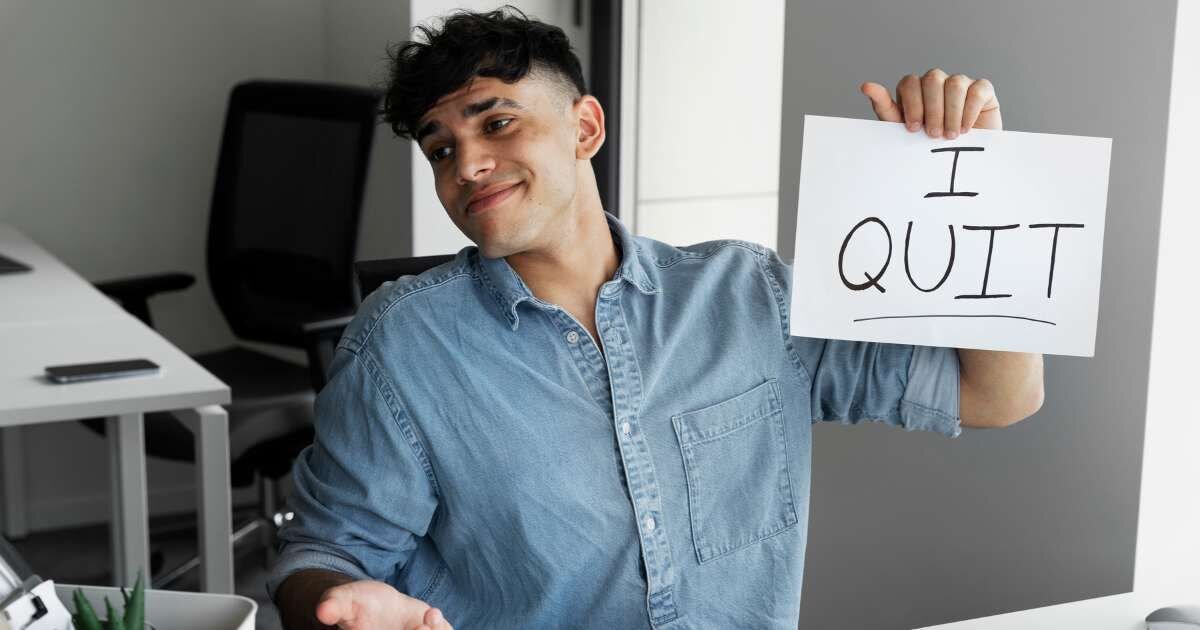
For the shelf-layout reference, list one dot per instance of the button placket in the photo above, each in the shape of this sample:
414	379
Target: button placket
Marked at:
625	383
588	360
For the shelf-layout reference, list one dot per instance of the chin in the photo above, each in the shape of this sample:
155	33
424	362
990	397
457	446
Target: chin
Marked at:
495	250
500	243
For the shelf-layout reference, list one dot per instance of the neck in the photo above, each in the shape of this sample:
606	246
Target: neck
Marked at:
569	272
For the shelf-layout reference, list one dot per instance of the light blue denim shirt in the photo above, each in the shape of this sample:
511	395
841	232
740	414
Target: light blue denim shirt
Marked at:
476	450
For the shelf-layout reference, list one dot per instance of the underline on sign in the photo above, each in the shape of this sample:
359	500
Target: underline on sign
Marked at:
1028	319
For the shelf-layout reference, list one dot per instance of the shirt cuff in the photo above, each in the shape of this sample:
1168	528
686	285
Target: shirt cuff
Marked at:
930	401
299	556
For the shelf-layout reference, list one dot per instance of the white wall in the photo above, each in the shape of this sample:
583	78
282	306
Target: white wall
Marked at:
110	123
356	36
1168	548
709	99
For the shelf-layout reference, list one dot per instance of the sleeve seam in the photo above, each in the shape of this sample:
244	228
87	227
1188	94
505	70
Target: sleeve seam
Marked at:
777	292
401	417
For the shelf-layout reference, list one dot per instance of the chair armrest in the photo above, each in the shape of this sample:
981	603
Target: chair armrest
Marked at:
320	340
134	293
144	287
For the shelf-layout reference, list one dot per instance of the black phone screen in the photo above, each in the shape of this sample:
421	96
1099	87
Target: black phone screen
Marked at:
107	369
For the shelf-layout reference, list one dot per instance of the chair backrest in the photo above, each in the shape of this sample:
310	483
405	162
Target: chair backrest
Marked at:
322	336
286	204
372	273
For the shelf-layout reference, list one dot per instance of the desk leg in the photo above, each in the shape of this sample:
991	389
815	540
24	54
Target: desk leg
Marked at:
210	425
130	529
12	471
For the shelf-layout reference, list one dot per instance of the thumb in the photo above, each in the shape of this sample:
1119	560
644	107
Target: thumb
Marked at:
336	606
881	101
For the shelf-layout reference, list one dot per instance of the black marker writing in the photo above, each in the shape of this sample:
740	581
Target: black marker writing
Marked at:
949	265
1053	246
872	281
1028	319
987	268
953	172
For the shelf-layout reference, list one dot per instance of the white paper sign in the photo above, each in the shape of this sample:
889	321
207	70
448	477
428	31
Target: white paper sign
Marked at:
992	240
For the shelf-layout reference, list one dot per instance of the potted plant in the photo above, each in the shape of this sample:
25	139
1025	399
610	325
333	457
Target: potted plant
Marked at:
134	617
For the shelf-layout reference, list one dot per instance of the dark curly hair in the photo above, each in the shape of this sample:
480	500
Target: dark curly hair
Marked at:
504	44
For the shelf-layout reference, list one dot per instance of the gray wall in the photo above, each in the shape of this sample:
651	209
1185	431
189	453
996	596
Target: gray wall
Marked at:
909	530
110	122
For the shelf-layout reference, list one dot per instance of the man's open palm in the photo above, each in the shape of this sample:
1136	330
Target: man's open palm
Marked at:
371	605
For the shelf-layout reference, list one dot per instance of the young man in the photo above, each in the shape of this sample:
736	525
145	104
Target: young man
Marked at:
571	426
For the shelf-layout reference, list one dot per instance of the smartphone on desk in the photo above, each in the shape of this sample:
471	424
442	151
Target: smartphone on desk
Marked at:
97	371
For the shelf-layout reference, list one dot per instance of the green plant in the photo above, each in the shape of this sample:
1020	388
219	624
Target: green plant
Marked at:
135	610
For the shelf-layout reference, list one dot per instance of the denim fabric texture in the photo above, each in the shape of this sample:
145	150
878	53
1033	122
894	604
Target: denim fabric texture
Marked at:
477	450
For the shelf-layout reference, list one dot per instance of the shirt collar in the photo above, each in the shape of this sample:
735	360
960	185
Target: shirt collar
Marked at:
509	290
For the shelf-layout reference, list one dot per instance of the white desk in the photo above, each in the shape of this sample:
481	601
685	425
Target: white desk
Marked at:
53	316
1126	611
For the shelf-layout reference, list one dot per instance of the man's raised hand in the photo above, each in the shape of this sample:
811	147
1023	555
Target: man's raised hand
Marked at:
372	605
946	105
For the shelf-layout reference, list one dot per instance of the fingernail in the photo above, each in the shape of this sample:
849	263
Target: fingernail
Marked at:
951	134
437	615
966	129
934	132
913	126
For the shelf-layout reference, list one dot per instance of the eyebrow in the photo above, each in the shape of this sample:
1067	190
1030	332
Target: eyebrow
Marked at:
471	110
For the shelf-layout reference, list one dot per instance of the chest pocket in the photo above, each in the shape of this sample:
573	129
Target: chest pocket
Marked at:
739	489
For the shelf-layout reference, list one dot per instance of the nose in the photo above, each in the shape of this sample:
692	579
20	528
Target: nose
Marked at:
474	161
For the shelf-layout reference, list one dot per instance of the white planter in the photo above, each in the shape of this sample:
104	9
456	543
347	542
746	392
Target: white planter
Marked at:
174	610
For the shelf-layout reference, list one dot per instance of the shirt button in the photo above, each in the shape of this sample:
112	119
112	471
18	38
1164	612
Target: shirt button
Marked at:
626	429
650	524
572	337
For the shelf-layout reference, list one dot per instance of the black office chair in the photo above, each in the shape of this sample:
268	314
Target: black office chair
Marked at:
324	335
281	241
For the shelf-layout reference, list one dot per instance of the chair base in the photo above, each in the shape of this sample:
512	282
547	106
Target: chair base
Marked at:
262	530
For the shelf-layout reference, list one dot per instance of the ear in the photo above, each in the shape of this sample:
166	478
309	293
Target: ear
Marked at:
590	117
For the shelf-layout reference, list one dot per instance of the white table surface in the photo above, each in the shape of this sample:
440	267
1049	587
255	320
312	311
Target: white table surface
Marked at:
1126	611
51	292
29	397
52	316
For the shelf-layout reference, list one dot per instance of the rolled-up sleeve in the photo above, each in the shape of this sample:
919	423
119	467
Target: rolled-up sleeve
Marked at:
364	491
907	386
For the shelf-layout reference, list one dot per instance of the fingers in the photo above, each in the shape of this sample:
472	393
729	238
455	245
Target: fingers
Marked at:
434	620
946	106
336	606
954	97
908	92
981	108
885	108
932	85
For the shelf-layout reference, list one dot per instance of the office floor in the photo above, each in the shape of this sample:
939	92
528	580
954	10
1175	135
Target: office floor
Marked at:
81	556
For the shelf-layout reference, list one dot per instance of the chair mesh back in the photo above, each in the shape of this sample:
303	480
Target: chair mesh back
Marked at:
286	205
373	273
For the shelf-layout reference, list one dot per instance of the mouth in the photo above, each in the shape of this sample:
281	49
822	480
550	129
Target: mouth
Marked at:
483	204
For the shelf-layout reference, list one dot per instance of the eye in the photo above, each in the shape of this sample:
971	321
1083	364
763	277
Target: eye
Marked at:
494	126
436	155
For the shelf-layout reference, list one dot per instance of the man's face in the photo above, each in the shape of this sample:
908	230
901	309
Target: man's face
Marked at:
504	161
